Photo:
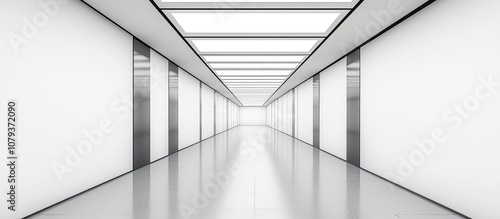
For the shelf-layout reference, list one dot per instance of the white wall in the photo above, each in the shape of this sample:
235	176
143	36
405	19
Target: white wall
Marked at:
207	98
279	113
70	74
230	114
305	111
189	109
333	88
252	115
268	114
414	81
159	106
220	113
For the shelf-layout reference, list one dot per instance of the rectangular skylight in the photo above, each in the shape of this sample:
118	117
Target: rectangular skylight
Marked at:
254	45
255	22
253	72
254	65
249	58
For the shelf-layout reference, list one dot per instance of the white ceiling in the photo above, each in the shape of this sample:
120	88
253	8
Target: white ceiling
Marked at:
147	21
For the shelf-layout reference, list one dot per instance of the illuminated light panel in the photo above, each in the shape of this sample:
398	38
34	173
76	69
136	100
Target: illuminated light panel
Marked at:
252	86
253	77
257	96
251	22
236	1
251	90
267	91
254	45
253	72
254	65
259	87
248	58
252	81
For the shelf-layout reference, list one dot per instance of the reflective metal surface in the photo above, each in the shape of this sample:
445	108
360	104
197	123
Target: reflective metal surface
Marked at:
142	104
316	122
293	112
249	172
173	108
215	112
353	108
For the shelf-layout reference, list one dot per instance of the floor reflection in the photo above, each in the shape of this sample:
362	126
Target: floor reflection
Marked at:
247	172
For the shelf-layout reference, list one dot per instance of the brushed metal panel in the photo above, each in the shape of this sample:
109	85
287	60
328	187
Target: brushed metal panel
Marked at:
215	112
173	108
142	94
316	118
293	112
353	108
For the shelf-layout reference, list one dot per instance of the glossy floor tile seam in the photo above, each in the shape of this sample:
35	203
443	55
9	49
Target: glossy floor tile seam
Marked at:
279	177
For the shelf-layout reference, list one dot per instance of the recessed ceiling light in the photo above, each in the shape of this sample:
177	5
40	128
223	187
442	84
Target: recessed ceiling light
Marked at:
253	84
255	89
253	94
254	65
246	95
254	45
255	22
247	58
253	72
236	1
253	81
253	77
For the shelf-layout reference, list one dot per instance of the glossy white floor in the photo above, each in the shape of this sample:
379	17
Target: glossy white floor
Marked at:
248	172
